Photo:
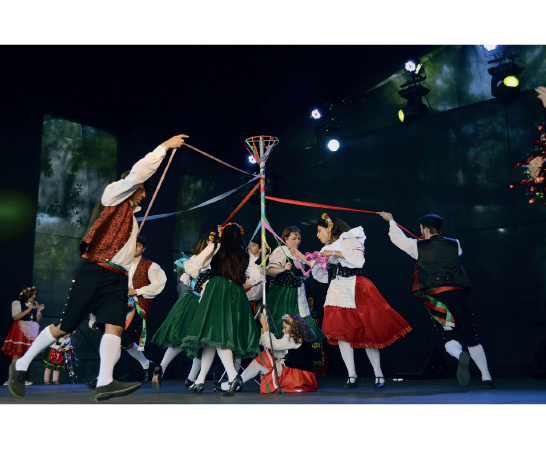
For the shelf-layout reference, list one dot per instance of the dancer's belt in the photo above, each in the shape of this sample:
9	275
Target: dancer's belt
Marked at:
108	265
433	304
344	272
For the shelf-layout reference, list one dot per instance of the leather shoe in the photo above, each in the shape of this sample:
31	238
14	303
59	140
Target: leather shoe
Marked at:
487	385
16	381
148	372
218	387
237	382
197	388
463	373
91	384
115	389
159	371
378	385
350	385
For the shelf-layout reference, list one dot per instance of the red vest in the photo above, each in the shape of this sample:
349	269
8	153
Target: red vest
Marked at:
140	279
110	232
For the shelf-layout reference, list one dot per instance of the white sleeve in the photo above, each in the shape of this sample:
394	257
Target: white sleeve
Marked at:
119	191
15	308
283	344
320	274
253	273
399	239
352	250
277	259
193	265
157	278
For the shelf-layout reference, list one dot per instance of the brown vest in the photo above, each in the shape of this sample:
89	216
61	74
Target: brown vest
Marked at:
109	233
140	279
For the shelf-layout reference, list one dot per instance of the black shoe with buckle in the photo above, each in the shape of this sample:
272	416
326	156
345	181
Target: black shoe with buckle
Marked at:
16	381
463	373
188	383
233	385
148	372
487	385
197	388
351	385
378	385
115	389
159	371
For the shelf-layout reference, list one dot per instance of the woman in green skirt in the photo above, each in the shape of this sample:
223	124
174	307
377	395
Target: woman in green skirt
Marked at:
175	327
287	294
223	321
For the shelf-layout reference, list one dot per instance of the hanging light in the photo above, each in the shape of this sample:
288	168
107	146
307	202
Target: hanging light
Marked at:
315	114
490	47
410	66
333	145
251	159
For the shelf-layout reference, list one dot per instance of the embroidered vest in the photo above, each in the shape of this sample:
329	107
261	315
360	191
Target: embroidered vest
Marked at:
108	232
140	279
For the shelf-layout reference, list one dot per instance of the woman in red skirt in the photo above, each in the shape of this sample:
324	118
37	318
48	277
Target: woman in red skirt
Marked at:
26	314
355	313
293	357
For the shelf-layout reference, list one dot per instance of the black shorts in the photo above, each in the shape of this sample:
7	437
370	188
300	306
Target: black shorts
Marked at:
96	290
133	331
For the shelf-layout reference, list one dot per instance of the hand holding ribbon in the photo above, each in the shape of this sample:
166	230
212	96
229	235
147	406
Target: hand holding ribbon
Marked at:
317	255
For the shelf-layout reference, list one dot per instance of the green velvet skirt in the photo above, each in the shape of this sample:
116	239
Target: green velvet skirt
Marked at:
223	319
176	325
284	301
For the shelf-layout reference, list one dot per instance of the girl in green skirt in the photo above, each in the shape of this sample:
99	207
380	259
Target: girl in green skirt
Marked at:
287	294
223	321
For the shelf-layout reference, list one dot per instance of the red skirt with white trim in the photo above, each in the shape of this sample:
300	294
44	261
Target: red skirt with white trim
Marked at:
374	323
291	380
20	336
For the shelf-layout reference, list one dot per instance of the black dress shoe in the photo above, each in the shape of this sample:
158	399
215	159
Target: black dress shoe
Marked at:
218	387
148	372
487	385
188	383
351	385
16	381
378	384
115	389
197	388
92	384
159	371
233	385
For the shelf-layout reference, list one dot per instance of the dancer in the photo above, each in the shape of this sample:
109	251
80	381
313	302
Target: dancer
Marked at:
223	322
53	360
26	314
175	327
442	282
287	293
100	285
254	293
293	357
355	313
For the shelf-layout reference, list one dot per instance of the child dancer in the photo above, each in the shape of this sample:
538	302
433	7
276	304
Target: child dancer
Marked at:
53	360
223	322
175	327
355	313
287	293
26	314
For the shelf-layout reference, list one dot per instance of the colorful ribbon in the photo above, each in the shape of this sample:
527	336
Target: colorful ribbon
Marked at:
130	316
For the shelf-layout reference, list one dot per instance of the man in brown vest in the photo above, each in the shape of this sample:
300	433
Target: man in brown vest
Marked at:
99	284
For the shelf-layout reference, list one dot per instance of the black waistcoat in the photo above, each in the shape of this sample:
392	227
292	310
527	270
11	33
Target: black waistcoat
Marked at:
301	358
438	263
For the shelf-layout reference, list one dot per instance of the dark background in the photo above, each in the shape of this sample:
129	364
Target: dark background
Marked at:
456	162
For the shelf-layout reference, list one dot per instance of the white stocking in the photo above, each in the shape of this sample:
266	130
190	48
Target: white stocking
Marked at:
373	356
348	356
454	348
42	341
195	367
110	352
139	356
207	357
253	370
226	356
168	357
478	355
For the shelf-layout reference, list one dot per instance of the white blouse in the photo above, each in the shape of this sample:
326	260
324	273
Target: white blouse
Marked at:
280	348
16	307
341	292
277	259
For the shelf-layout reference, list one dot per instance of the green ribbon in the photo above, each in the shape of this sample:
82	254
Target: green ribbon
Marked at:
141	313
439	305
114	266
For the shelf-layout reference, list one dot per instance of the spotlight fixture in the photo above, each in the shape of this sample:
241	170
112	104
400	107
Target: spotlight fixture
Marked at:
251	159
315	114
415	108
333	145
410	66
505	83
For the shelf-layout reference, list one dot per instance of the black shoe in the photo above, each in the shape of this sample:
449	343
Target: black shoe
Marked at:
16	381
148	372
351	385
463	373
159	371
379	385
92	384
197	388
233	385
188	383
115	389
487	385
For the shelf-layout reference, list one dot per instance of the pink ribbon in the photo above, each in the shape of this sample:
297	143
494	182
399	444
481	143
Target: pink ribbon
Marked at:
317	255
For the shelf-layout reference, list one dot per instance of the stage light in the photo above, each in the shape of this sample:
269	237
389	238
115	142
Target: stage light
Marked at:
333	145
415	108
401	115
490	47
410	66
315	114
505	85
251	159
511	81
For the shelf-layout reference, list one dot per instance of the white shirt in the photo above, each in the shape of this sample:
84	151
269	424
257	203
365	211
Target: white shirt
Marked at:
406	244
256	292
157	278
117	192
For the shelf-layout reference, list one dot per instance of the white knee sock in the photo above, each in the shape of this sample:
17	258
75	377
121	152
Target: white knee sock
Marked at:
168	357
373	356
206	362
454	348
348	356
478	355
139	355
253	370
226	356
43	340
110	352
195	368
237	364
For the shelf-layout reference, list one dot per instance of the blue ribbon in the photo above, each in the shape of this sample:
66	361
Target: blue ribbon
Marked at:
180	263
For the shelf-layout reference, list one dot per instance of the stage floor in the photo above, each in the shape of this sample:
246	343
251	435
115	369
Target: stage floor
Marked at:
331	391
